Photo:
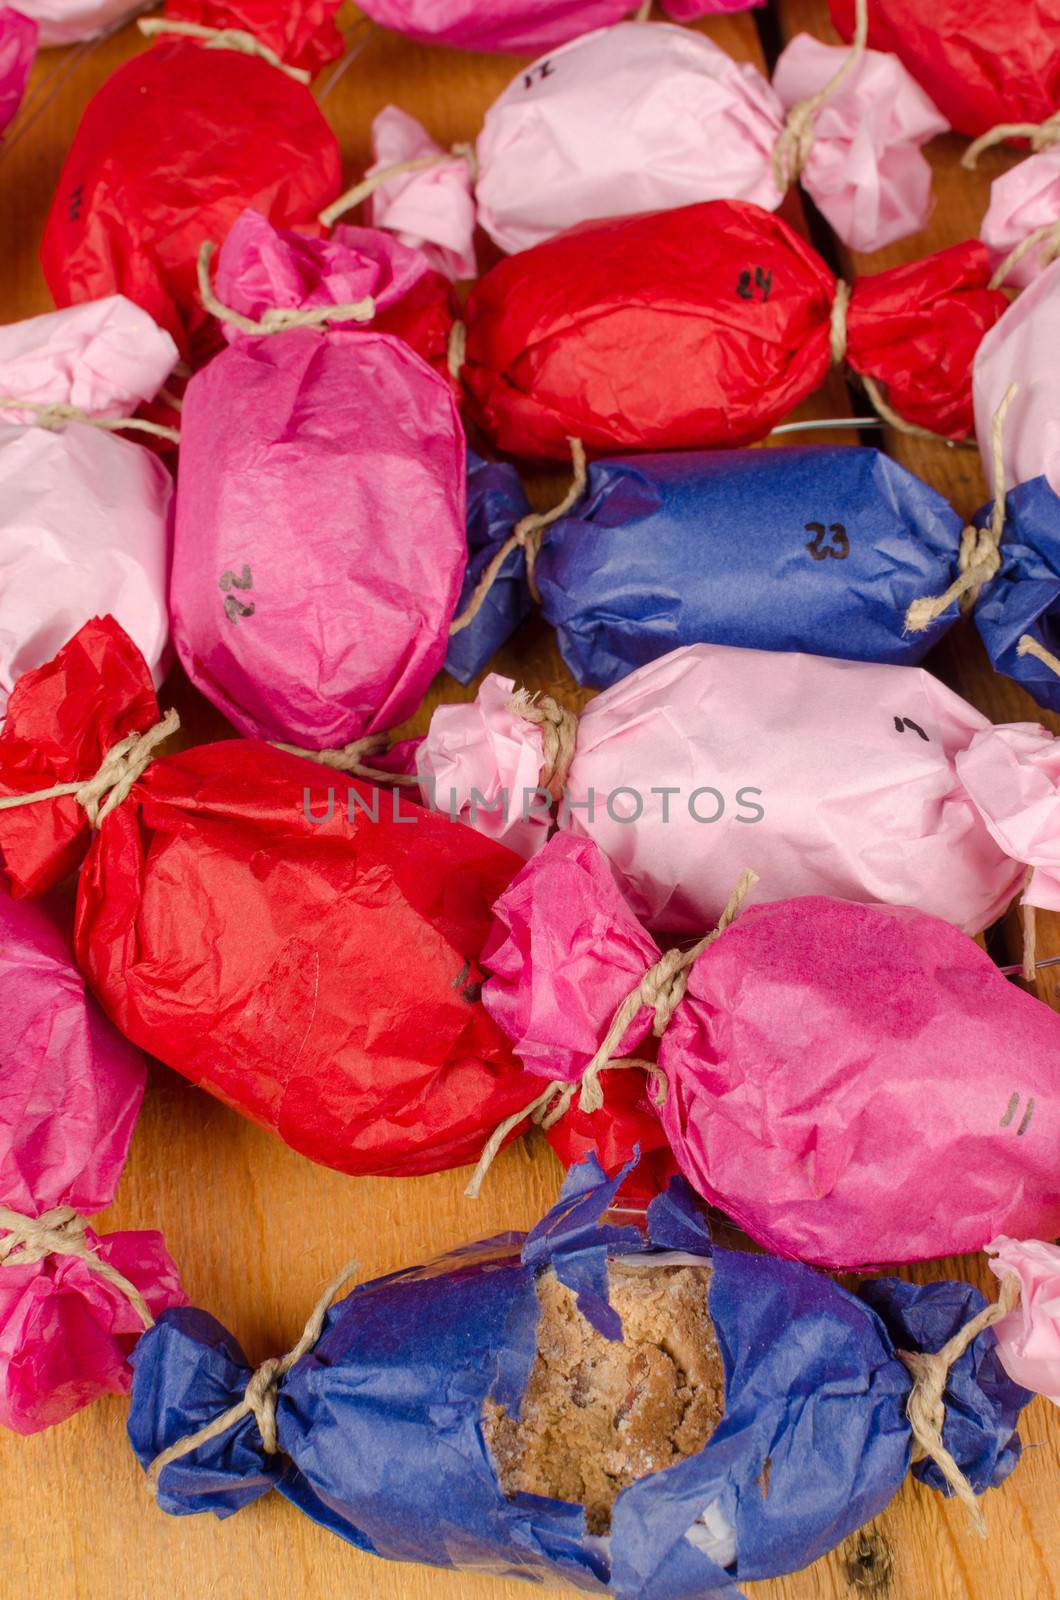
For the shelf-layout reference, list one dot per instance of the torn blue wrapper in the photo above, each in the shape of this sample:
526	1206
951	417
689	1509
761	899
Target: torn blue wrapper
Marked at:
495	504
1024	597
380	1425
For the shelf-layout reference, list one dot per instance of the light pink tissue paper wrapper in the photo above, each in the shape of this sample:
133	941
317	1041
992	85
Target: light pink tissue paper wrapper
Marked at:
320	539
1022	348
865	171
633	118
837	1074
1025	198
1028	1339
70	1092
66	21
84	513
431	210
18	47
876	783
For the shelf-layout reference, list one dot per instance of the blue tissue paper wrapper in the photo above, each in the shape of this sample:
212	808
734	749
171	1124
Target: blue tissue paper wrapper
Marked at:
495	504
380	1426
1024	597
819	550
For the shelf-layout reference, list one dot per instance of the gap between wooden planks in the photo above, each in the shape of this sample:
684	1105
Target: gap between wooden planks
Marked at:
257	1229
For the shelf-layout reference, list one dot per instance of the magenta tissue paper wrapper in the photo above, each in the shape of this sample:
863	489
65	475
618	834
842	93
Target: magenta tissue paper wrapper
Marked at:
840	1078
320	536
70	1091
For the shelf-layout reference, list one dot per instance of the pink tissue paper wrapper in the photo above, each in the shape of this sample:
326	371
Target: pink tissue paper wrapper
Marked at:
1022	348
66	21
874	783
84	514
520	27
1025	198
70	1091
840	1078
633	119
1028	1339
320	540
18	47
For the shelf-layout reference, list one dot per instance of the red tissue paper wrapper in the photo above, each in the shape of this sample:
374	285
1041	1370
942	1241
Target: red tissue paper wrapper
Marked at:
176	144
703	327
981	63
70	1090
321	977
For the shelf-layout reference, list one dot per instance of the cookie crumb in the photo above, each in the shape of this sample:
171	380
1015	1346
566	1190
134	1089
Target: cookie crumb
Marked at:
599	1414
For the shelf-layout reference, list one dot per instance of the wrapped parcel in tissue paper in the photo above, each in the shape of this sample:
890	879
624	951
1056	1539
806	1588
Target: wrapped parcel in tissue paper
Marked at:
72	1302
852	1084
312	960
390	1429
84	511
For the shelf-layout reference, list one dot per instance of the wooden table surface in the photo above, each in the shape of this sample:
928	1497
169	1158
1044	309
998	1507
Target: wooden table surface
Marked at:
257	1229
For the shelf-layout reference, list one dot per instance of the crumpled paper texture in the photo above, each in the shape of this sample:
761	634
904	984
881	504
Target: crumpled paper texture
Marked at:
1028	1339
175	145
496	503
979	63
349	1023
1023	199
865	171
1020	349
521	27
653	558
381	1423
320	540
1024	595
567	338
629	120
18	48
823	776
70	1091
431	210
85	525
851	1084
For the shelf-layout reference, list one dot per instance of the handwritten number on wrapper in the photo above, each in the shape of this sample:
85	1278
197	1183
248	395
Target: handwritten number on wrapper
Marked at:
235	608
76	198
754	287
544	70
831	541
901	723
1013	1107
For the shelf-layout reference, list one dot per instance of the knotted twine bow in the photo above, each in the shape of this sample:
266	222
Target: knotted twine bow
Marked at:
259	1397
527	535
1039	135
461	151
122	765
660	990
61	1232
1044	240
223	39
350	759
55	414
980	552
277	319
926	1408
793	147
